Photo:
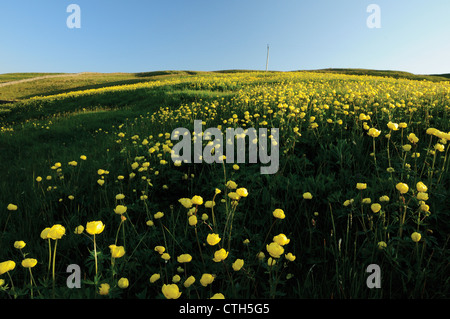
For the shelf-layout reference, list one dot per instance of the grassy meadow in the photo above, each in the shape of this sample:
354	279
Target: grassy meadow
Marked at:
363	179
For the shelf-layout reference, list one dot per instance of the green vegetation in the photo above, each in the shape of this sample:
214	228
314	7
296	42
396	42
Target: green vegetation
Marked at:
348	146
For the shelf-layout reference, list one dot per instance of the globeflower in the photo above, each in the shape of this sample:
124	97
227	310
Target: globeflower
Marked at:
281	239
206	279
192	220
290	257
158	215
421	187
171	291
29	262
220	255
416	237
117	251
278	213
95	227
19	244
56	232
154	278
274	249
7	266
186	202
120	209
242	192
189	281
375	207
123	283
373	132
402	188
361	186
197	200
104	289
79	229
238	264
11	207
307	195
213	239
184	258
218	296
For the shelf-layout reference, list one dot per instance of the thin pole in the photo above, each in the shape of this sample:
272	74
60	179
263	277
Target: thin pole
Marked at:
267	61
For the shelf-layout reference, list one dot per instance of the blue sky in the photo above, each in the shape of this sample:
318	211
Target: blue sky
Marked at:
207	35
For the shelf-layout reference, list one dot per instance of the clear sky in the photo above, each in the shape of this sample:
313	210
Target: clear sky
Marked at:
207	35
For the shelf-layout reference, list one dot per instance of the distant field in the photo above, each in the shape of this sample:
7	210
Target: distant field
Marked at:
8	77
363	179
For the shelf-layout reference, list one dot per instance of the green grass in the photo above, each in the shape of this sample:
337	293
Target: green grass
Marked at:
333	243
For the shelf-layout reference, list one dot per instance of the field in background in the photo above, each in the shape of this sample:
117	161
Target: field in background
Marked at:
337	130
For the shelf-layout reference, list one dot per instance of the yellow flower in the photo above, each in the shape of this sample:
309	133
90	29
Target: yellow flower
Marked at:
176	279
101	182
382	245
413	138
120	209
44	233
165	256
233	195
104	289
184	258
281	239
231	185
160	249
278	213
83	157
154	278
171	291
95	227
186	202
150	223
210	204
11	207
307	195
38	179
290	257
29	263
242	192
7	266
274	249
218	296
56	232
373	132
366	200
79	229
422	196
73	163
361	186
213	239
158	215
220	255
117	251
375	207
238	264
217	191
402	188
392	126
206	279
416	237
271	262
406	147
189	281
120	196
19	244
197	200
439	147
192	220
421	187
123	283
384	198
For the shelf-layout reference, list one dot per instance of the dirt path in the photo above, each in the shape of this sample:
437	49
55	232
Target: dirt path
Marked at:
41	78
